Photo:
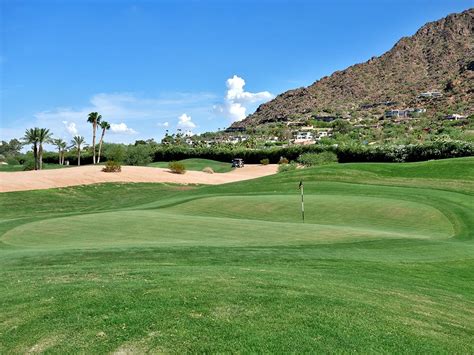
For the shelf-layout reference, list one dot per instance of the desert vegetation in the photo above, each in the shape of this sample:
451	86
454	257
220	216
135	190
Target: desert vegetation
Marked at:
112	167
176	167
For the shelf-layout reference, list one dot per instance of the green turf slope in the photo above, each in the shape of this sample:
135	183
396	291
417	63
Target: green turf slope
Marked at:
383	263
11	168
199	164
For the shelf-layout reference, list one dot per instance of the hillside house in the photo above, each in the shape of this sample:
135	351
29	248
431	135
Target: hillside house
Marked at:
406	113
430	94
322	133
304	138
419	110
234	139
454	117
396	114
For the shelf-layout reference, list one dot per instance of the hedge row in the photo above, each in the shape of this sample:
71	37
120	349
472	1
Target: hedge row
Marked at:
345	154
52	158
406	153
250	156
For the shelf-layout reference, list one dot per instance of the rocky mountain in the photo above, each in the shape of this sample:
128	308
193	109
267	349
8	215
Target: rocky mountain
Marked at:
438	58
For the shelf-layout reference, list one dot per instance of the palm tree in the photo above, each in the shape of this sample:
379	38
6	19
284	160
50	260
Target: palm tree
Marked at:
57	143
31	137
61	145
77	143
105	126
94	118
44	136
63	151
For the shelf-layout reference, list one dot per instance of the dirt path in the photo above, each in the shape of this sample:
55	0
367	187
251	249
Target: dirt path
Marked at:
84	175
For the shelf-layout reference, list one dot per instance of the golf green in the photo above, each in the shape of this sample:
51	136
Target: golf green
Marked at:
384	262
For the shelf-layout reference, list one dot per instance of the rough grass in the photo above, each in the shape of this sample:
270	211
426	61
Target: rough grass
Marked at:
199	165
19	167
384	263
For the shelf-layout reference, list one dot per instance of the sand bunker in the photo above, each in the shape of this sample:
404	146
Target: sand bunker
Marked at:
90	174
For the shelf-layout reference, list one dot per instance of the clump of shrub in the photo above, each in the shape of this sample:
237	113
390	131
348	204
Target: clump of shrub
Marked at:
287	167
176	167
208	170
112	167
313	159
29	164
12	161
265	161
115	152
139	155
283	160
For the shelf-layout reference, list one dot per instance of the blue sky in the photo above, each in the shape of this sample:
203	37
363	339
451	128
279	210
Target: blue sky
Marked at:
148	66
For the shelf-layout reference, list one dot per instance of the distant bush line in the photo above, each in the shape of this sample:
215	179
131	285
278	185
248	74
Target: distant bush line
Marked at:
345	153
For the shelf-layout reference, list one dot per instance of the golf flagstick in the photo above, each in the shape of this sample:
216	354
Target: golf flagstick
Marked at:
302	199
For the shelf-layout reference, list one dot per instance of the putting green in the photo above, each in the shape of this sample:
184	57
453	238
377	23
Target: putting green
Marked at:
240	221
371	213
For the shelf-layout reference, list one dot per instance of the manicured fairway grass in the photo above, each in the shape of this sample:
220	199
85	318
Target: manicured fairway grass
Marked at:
199	164
383	263
20	167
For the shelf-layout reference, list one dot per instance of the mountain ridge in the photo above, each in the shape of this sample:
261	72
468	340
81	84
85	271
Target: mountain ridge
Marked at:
439	57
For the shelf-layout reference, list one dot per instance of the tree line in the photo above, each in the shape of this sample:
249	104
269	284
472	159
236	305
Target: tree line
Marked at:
37	137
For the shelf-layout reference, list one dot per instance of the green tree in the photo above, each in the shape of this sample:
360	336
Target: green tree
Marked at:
105	127
139	154
61	145
44	136
78	143
10	149
341	126
94	118
31	137
64	149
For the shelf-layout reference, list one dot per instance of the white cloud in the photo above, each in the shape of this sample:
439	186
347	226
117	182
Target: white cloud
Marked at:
185	122
70	128
142	113
237	100
121	128
235	92
128	108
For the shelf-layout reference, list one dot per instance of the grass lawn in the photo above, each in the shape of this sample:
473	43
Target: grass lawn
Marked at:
8	168
199	164
383	263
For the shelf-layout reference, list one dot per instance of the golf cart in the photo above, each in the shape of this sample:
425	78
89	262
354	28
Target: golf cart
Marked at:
237	163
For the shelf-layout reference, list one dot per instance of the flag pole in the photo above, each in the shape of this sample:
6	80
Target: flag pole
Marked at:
302	199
